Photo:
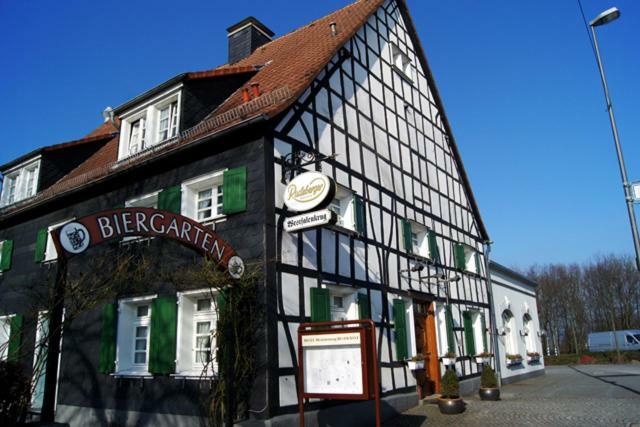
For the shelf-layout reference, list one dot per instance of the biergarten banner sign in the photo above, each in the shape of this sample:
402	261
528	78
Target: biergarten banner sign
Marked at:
77	236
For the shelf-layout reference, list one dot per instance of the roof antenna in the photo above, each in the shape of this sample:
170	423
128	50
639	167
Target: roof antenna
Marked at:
334	29
108	114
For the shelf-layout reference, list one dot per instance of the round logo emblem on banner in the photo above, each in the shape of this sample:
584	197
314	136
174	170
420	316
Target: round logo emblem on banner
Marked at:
74	237
308	191
236	267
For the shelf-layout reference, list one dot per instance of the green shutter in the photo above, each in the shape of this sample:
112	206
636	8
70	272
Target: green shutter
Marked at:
170	199
434	252
221	301
358	204
320	305
400	324
41	244
234	190
5	255
459	256
469	339
162	345
406	236
484	332
108	339
15	338
451	345
363	306
477	255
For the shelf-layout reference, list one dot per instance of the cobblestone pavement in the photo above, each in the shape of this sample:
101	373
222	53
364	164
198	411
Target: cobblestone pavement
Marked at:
594	395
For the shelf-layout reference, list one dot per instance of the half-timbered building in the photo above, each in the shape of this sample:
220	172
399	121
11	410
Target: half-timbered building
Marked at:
351	96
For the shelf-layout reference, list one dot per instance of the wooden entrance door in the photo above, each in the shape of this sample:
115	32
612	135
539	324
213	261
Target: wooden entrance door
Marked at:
428	379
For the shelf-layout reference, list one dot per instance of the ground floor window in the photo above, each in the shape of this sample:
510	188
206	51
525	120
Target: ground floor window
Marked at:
134	324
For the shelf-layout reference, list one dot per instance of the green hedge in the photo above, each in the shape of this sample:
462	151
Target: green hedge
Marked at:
597	358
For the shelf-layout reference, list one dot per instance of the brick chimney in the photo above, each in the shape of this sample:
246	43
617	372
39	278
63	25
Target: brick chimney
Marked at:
245	37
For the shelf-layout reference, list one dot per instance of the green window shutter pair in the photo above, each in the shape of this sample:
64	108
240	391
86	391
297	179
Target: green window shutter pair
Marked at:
108	338
41	244
484	332
451	345
400	324
170	199
363	306
467	319
320	305
234	190
406	236
359	214
459	257
5	255
162	336
434	252
15	338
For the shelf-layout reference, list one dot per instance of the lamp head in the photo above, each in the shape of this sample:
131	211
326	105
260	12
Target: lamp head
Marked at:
605	17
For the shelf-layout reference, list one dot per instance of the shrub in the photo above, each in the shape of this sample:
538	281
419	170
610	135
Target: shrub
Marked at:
488	378
449	387
14	393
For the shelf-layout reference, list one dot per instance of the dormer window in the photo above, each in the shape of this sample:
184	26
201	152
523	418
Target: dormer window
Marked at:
150	123
20	182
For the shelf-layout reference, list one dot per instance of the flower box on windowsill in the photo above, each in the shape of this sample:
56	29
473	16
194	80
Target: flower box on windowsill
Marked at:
483	360
415	364
514	362
533	357
448	361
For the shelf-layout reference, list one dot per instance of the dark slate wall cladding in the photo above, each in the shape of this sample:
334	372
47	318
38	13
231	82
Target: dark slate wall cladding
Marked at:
80	382
201	97
57	164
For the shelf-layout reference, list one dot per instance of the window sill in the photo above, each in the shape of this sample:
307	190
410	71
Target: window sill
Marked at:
136	240
194	375
133	375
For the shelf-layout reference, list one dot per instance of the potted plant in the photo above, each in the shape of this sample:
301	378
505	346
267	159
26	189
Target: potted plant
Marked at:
533	356
449	358
416	362
483	357
489	384
449	401
514	359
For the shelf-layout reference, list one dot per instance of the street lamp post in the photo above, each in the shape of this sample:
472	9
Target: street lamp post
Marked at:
605	17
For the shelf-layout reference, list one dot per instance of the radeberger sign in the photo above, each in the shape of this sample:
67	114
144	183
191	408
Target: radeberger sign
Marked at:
309	190
78	235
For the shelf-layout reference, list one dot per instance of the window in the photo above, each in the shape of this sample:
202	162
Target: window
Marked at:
10	337
134	324
150	123
509	326
196	333
168	126
401	61
467	258
349	210
203	197
474	332
147	201
338	302
20	182
343	303
137	135
50	252
418	239
529	339
5	333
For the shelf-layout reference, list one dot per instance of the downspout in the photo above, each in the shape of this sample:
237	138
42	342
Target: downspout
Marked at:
492	312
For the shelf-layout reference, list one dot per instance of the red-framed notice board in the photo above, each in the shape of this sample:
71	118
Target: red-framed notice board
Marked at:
338	360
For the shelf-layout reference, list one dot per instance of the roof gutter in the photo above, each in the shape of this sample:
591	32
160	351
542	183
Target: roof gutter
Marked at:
261	118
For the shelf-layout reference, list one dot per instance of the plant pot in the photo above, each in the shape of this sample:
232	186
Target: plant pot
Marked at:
489	393
415	365
451	406
448	361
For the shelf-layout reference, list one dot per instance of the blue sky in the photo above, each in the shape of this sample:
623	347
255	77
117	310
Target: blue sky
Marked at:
518	80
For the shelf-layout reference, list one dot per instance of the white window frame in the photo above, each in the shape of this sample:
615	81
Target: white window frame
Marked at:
19	175
470	258
42	317
478	333
5	335
149	200
421	242
529	340
441	329
151	111
190	190
50	253
188	318
172	120
128	322
349	295
343	205
510	328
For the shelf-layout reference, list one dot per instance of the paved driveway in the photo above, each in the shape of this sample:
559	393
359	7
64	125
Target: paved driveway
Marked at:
585	395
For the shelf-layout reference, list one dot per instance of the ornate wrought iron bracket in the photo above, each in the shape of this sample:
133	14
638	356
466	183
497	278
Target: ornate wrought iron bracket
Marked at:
299	159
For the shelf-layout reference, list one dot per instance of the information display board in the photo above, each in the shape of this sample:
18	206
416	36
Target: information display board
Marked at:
333	363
